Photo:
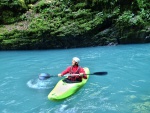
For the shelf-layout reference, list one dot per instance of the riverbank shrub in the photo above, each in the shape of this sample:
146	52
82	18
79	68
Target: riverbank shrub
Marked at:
11	10
50	23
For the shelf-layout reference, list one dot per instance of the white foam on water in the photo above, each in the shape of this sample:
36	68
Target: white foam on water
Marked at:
39	84
65	109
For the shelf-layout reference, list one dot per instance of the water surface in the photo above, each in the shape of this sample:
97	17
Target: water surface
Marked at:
124	89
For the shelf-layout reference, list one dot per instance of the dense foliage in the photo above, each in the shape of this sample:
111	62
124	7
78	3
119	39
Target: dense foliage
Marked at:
11	10
67	23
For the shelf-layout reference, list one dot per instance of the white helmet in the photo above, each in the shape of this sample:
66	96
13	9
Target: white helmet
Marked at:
76	59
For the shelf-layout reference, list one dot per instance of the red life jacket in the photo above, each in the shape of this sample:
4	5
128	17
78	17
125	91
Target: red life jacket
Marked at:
76	72
74	78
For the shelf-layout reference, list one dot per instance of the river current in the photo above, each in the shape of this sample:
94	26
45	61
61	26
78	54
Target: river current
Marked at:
125	89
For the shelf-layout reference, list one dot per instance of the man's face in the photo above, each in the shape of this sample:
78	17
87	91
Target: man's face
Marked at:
73	62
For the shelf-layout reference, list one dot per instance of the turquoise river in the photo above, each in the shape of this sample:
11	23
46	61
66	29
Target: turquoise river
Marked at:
125	89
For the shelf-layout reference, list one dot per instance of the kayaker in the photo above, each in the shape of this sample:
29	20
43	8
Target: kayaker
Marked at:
74	70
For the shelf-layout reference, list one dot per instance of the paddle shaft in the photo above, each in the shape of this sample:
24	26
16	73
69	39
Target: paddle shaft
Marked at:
96	73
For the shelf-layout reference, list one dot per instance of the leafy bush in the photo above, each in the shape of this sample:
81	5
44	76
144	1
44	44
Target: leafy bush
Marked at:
128	19
145	15
57	21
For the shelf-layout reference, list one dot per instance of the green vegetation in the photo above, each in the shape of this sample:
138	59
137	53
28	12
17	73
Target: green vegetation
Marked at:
48	24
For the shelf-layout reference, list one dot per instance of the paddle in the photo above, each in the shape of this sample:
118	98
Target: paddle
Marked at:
44	76
98	73
95	73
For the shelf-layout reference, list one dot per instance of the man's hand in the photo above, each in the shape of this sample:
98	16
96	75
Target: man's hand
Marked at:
59	75
81	74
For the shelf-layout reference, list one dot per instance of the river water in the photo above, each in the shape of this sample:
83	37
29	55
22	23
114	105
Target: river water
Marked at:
125	89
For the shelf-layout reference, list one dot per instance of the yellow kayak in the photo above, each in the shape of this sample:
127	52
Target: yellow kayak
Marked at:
63	90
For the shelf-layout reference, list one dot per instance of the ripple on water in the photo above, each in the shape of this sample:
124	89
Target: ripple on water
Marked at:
39	84
139	103
65	108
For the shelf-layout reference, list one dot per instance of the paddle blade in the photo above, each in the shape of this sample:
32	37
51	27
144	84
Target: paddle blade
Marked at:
44	76
100	73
